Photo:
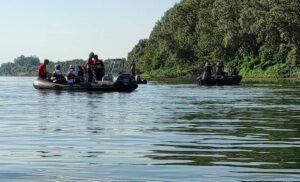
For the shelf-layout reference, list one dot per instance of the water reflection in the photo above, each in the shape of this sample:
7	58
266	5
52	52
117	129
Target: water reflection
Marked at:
253	130
160	132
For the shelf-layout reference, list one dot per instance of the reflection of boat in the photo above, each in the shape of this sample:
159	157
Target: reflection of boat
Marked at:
230	80
122	83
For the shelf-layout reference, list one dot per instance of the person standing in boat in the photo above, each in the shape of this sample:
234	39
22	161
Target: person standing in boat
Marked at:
132	69
42	70
102	68
90	67
99	68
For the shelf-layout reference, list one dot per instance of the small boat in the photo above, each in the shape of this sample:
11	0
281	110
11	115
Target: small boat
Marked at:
139	80
142	81
122	83
229	80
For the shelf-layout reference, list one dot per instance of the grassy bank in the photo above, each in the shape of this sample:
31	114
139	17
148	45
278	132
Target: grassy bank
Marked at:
273	74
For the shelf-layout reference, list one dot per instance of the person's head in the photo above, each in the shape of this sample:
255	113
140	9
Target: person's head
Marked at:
91	55
57	67
96	56
46	61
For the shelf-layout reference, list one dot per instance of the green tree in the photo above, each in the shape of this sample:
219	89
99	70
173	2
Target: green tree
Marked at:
254	35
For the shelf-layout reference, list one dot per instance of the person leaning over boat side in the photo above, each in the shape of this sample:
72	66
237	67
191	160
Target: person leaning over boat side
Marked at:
89	67
57	76
42	70
71	75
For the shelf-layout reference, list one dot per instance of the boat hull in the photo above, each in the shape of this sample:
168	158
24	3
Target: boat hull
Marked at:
142	82
231	80
100	86
123	84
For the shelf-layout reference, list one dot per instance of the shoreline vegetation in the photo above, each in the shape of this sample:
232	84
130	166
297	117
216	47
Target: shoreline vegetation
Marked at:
192	80
260	38
258	80
27	66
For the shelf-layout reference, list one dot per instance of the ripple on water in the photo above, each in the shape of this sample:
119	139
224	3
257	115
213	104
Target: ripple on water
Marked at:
161	132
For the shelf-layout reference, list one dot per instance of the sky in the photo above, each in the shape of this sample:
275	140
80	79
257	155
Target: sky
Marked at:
62	30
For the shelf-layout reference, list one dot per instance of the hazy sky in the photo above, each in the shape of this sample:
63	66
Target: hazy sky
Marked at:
68	29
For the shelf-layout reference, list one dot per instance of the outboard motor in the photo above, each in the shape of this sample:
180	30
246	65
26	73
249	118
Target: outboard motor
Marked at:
125	82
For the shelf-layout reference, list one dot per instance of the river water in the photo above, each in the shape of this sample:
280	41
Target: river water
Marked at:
160	132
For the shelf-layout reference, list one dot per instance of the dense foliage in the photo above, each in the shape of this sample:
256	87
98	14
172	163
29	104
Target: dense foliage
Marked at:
27	66
260	37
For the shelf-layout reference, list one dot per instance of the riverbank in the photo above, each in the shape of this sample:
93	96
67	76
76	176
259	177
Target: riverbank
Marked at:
259	80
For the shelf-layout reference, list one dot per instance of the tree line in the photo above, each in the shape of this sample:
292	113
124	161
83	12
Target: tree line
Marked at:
27	66
260	37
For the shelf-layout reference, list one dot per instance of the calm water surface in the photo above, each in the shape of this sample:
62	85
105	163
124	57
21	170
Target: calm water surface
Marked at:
160	132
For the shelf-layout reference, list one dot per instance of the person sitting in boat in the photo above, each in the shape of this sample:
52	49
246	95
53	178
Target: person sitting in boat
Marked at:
72	75
98	68
138	78
235	72
220	70
208	69
90	67
57	76
42	70
80	77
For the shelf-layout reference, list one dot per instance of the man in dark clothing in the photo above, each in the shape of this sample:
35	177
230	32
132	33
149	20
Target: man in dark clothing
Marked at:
220	69
99	68
42	70
235	72
90	67
80	77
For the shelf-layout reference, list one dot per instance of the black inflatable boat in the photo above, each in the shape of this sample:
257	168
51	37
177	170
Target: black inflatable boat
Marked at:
142	81
230	80
139	80
123	83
